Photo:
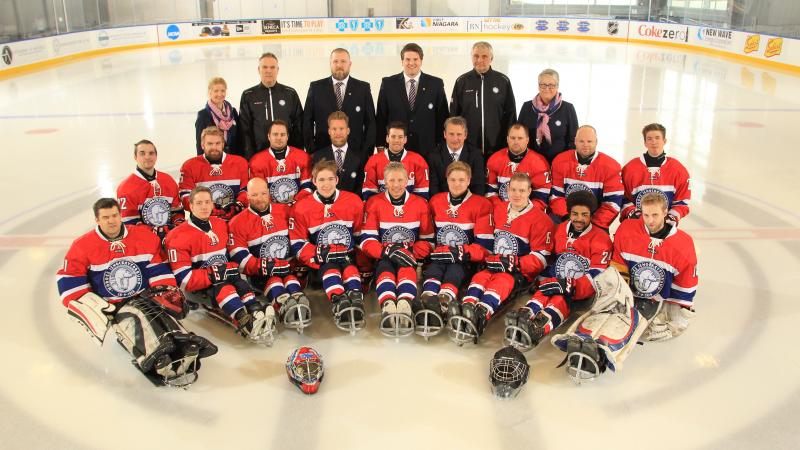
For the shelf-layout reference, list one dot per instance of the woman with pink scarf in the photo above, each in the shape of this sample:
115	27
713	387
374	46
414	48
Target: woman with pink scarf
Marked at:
552	122
219	113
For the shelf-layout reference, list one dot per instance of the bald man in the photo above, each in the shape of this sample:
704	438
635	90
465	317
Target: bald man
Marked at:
259	243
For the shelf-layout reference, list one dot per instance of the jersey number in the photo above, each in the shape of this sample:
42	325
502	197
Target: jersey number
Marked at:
122	202
291	225
604	259
173	255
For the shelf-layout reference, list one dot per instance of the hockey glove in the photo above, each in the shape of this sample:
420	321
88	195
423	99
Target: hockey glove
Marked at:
228	211
672	220
274	267
223	273
333	254
448	254
168	297
501	263
634	214
400	255
555	286
178	217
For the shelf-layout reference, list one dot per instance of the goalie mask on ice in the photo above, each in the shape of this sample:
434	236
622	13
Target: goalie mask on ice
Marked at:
304	368
508	372
603	336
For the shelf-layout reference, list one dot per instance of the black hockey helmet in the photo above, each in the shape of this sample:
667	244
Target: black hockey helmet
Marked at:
508	372
582	198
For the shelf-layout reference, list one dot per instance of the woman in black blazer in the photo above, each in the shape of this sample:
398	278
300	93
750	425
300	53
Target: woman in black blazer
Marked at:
221	114
552	122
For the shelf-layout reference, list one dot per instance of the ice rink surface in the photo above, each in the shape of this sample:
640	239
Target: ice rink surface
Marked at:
732	381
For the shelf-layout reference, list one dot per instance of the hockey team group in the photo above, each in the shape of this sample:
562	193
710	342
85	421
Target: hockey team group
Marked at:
450	216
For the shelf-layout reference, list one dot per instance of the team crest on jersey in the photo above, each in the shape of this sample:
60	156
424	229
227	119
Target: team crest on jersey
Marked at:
505	243
572	266
215	259
221	194
334	234
155	211
397	234
123	278
275	247
452	236
283	189
503	191
646	191
576	187
648	279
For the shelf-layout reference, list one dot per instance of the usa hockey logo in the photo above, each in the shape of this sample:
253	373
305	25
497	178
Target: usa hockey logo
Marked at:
155	211
583	26
648	279
283	190
397	234
505	243
452	236
275	247
123	278
646	191
572	266
562	25
541	25
221	194
214	260
334	234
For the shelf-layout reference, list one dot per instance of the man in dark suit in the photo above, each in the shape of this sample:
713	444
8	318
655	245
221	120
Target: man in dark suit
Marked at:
340	92
455	148
414	98
349	160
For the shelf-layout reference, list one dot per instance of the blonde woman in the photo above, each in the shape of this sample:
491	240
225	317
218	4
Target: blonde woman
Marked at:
220	113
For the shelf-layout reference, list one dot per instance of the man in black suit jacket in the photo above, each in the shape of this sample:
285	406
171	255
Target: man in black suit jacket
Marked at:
455	148
350	160
354	99
414	98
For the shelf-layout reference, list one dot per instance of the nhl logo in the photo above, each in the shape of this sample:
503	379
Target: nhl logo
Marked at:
123	278
283	190
334	234
505	243
155	212
451	236
648	279
275	247
612	28
398	234
571	266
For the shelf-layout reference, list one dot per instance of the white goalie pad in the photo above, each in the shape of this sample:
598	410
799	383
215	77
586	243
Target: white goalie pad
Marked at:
670	322
605	335
93	313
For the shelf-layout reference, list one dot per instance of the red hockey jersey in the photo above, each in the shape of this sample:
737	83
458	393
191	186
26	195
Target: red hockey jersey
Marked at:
289	179
191	250
499	170
113	270
660	269
529	235
409	223
227	181
601	177
468	224
417	168
148	202
253	236
314	223
671	180
579	258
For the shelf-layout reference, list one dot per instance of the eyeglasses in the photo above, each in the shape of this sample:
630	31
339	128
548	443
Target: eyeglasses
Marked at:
547	86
